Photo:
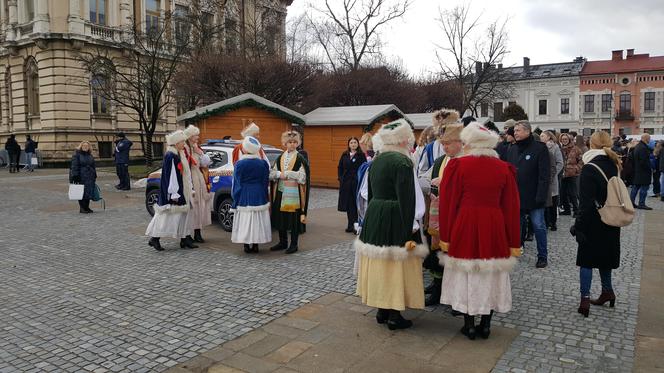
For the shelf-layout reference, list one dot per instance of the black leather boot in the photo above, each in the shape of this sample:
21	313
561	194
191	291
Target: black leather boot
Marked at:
247	248
154	242
187	243
468	327
254	248
484	329
197	236
382	315
293	244
283	242
434	297
396	321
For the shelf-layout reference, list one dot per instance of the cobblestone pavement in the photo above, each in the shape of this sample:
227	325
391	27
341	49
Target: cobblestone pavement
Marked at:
80	293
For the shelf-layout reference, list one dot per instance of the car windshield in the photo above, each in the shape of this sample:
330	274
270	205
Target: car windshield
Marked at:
219	158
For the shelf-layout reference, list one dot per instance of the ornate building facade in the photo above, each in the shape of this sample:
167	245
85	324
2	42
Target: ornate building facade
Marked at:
46	92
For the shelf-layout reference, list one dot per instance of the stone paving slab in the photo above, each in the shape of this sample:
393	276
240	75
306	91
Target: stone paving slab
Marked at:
351	341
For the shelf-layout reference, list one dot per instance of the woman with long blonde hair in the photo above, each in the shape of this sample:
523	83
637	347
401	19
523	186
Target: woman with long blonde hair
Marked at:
599	243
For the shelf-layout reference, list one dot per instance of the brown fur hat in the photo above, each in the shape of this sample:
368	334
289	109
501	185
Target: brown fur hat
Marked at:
452	132
443	117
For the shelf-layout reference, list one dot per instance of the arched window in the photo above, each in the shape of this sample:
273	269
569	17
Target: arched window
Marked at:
98	94
32	86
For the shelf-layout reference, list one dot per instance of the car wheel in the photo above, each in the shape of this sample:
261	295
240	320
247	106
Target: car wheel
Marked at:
150	199
225	215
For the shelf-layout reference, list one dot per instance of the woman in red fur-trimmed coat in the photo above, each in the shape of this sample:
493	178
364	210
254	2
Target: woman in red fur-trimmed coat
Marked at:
479	230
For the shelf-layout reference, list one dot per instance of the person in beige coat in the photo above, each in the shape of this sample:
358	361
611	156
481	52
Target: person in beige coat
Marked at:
201	213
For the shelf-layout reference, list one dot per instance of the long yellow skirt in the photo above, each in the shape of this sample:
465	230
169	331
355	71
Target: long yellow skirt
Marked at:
391	284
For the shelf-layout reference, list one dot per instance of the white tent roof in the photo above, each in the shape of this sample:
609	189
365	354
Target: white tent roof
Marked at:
349	115
237	99
421	120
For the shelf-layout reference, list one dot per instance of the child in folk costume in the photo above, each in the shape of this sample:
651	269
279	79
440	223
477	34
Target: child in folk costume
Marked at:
251	206
389	273
175	196
201	213
430	182
290	194
251	130
479	230
434	150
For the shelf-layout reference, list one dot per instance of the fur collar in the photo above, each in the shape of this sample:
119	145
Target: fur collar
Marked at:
249	156
591	154
395	148
481	152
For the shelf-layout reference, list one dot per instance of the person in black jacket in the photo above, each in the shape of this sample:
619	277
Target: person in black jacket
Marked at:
349	163
83	171
642	172
599	244
30	149
121	154
14	151
531	159
659	153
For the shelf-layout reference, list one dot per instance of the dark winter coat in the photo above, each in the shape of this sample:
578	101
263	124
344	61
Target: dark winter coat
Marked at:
642	169
347	175
170	161
12	147
531	159
122	149
502	148
30	146
83	171
599	244
661	160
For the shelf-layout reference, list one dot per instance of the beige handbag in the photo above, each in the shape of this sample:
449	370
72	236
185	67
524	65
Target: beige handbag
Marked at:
618	210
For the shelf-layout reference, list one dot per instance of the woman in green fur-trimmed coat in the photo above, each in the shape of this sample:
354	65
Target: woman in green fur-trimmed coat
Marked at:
389	273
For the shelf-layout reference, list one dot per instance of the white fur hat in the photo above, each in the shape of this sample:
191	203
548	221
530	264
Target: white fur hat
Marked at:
176	137
250	145
377	143
396	132
479	137
251	130
191	131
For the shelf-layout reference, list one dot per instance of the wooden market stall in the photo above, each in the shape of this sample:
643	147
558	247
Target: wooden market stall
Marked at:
229	117
328	129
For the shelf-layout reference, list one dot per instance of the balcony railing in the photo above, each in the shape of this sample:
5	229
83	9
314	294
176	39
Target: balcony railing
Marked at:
624	115
104	32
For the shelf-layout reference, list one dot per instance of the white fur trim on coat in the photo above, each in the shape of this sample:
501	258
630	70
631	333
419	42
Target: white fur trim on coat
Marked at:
477	265
251	145
170	209
191	131
389	252
176	137
252	208
479	137
396	148
251	130
482	152
396	132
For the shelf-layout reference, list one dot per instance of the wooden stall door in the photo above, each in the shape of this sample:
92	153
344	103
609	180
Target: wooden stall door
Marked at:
232	123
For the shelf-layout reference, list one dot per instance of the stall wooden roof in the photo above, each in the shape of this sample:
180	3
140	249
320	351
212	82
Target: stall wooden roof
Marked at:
365	115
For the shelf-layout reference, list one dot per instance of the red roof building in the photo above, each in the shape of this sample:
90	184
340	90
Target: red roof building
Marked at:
624	94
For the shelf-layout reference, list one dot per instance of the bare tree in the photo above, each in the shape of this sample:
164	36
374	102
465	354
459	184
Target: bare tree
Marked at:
138	77
472	55
349	34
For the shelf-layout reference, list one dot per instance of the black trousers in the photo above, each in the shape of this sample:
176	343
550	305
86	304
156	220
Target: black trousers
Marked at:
84	204
13	162
569	194
283	237
122	170
655	182
551	213
352	217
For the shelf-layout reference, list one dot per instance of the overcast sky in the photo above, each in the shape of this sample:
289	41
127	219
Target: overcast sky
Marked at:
547	31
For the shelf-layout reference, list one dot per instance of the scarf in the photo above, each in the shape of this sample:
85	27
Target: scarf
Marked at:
591	154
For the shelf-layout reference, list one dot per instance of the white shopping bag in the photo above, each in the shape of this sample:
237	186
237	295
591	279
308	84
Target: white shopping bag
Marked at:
34	161
76	192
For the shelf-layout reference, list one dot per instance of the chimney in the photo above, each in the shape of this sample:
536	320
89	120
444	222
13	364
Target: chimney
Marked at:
478	67
486	66
526	62
630	53
617	55
500	66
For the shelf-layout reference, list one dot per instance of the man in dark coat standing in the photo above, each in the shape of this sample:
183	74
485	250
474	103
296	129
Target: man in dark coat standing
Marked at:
531	159
14	151
121	154
642	172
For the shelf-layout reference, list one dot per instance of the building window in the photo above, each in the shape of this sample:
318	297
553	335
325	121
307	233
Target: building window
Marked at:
542	107
649	103
498	111
625	102
32	86
29	10
606	102
105	149
98	11
182	29
158	149
152	13
484	109
564	106
97	91
510	103
650	131
589	103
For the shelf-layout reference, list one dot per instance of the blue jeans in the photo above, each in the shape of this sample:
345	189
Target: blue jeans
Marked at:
642	190
661	183
28	161
586	279
539	228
